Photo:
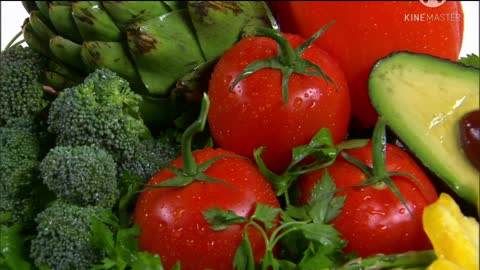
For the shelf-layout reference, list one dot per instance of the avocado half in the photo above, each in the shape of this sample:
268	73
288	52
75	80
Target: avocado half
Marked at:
423	98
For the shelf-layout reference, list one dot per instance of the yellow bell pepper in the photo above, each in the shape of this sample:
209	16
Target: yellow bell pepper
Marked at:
455	237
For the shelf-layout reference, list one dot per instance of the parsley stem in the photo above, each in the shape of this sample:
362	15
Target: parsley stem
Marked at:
280	232
410	259
189	164
262	232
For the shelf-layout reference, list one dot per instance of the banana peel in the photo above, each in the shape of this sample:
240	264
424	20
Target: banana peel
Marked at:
455	237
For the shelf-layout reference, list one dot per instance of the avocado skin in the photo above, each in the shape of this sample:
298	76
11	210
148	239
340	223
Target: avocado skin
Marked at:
404	89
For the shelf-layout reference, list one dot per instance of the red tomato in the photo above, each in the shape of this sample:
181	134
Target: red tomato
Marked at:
171	219
252	114
373	220
366	31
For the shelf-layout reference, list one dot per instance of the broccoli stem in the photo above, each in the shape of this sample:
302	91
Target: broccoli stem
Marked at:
189	164
407	260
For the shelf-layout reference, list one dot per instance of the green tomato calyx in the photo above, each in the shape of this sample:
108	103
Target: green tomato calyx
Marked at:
288	61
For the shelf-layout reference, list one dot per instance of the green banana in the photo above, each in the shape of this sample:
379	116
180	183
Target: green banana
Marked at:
93	22
126	12
112	56
164	49
63	22
67	51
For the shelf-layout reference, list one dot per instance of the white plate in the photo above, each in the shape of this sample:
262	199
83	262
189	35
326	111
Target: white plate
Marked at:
13	15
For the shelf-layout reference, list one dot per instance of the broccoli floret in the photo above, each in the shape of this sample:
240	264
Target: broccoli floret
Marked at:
149	156
21	93
64	237
22	194
101	111
82	175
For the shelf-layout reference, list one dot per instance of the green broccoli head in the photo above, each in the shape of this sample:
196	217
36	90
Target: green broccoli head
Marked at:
101	111
82	175
64	237
149	156
22	194
21	93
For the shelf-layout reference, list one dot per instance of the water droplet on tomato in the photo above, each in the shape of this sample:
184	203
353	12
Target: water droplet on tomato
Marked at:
402	211
297	102
178	214
177	233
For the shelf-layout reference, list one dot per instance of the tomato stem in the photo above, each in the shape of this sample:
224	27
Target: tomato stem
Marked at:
288	61
189	163
287	54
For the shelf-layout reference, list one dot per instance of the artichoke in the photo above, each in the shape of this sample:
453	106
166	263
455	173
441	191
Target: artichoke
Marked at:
163	48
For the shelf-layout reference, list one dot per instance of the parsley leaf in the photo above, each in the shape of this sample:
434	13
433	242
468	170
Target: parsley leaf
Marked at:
323	206
13	253
471	60
243	259
220	219
120	246
266	215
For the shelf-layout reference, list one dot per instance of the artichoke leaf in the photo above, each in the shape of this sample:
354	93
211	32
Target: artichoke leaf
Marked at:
68	73
219	24
174	5
110	55
63	3
164	49
158	112
68	52
125	13
34	41
58	81
93	21
42	6
62	20
193	84
29	6
41	26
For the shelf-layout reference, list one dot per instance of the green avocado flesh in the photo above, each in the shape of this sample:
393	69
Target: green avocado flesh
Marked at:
423	98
